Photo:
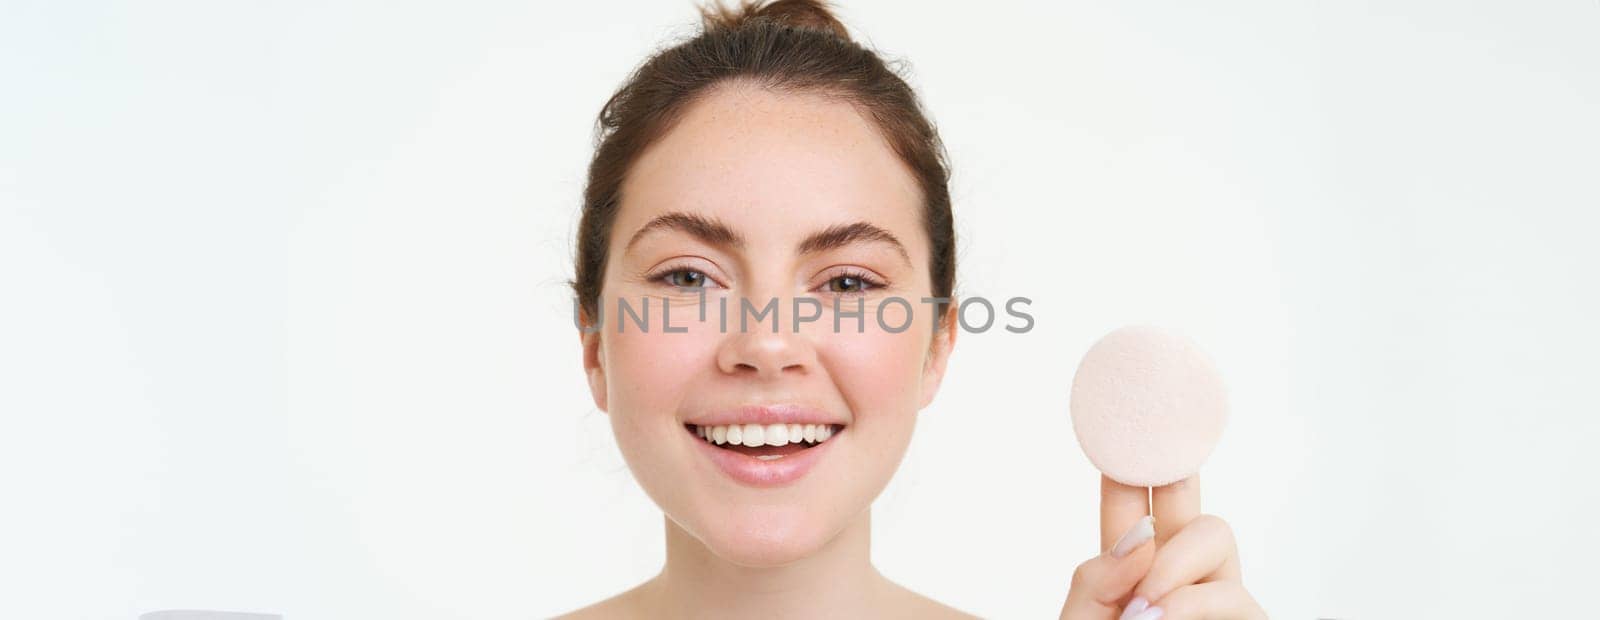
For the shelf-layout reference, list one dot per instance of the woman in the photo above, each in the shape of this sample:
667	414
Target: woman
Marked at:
767	162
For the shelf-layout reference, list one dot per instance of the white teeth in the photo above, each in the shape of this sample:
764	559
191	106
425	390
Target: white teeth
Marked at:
777	434
754	435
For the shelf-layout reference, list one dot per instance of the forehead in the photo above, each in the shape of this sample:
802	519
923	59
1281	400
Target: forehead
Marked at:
773	164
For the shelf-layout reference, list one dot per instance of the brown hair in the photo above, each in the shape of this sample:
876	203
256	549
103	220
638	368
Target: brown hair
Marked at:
787	45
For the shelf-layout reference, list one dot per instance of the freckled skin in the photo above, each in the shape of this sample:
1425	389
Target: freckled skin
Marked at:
774	168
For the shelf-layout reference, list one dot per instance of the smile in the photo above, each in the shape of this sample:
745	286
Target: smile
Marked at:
766	442
765	446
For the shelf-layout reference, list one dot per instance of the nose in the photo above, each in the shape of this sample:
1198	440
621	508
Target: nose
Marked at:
764	354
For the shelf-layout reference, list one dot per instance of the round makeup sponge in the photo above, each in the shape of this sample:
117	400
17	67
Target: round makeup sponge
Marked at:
1147	406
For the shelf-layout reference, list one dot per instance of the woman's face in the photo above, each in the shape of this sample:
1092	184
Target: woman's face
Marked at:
754	198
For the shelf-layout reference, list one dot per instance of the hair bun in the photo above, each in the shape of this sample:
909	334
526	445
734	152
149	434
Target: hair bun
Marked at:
811	14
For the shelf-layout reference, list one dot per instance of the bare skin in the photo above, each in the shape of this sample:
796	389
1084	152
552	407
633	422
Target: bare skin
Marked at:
769	171
690	579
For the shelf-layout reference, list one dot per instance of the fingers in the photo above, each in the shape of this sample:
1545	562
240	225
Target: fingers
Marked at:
1218	600
1121	506
1103	584
1143	530
1174	506
1204	551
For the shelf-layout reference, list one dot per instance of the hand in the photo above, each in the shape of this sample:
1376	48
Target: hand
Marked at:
1183	566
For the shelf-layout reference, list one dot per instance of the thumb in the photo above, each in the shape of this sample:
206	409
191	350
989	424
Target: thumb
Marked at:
1104	583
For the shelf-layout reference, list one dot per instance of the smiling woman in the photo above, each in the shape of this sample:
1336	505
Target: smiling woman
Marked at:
769	158
775	169
772	158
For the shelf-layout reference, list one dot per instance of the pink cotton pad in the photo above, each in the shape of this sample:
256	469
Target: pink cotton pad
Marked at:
1147	406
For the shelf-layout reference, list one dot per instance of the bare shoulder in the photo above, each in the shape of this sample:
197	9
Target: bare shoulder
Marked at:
623	605
629	604
918	606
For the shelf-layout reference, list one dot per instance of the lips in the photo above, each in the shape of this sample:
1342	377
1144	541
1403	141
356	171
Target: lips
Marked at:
767	445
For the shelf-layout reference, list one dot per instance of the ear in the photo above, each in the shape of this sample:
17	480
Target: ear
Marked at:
592	367
944	341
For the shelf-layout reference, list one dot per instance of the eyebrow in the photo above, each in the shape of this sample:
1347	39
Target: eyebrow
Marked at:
840	235
713	231
707	229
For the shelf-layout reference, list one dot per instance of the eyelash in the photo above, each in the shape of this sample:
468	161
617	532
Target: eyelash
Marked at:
661	276
866	281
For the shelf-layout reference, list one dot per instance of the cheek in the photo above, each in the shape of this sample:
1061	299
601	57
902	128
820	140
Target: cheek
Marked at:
879	375
650	377
876	374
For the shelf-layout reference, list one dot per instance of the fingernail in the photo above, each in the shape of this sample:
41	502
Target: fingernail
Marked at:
1139	609
1135	606
1142	531
1148	614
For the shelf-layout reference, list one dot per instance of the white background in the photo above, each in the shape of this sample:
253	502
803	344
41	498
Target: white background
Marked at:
284	324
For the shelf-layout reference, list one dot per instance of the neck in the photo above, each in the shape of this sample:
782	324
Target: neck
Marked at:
837	579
